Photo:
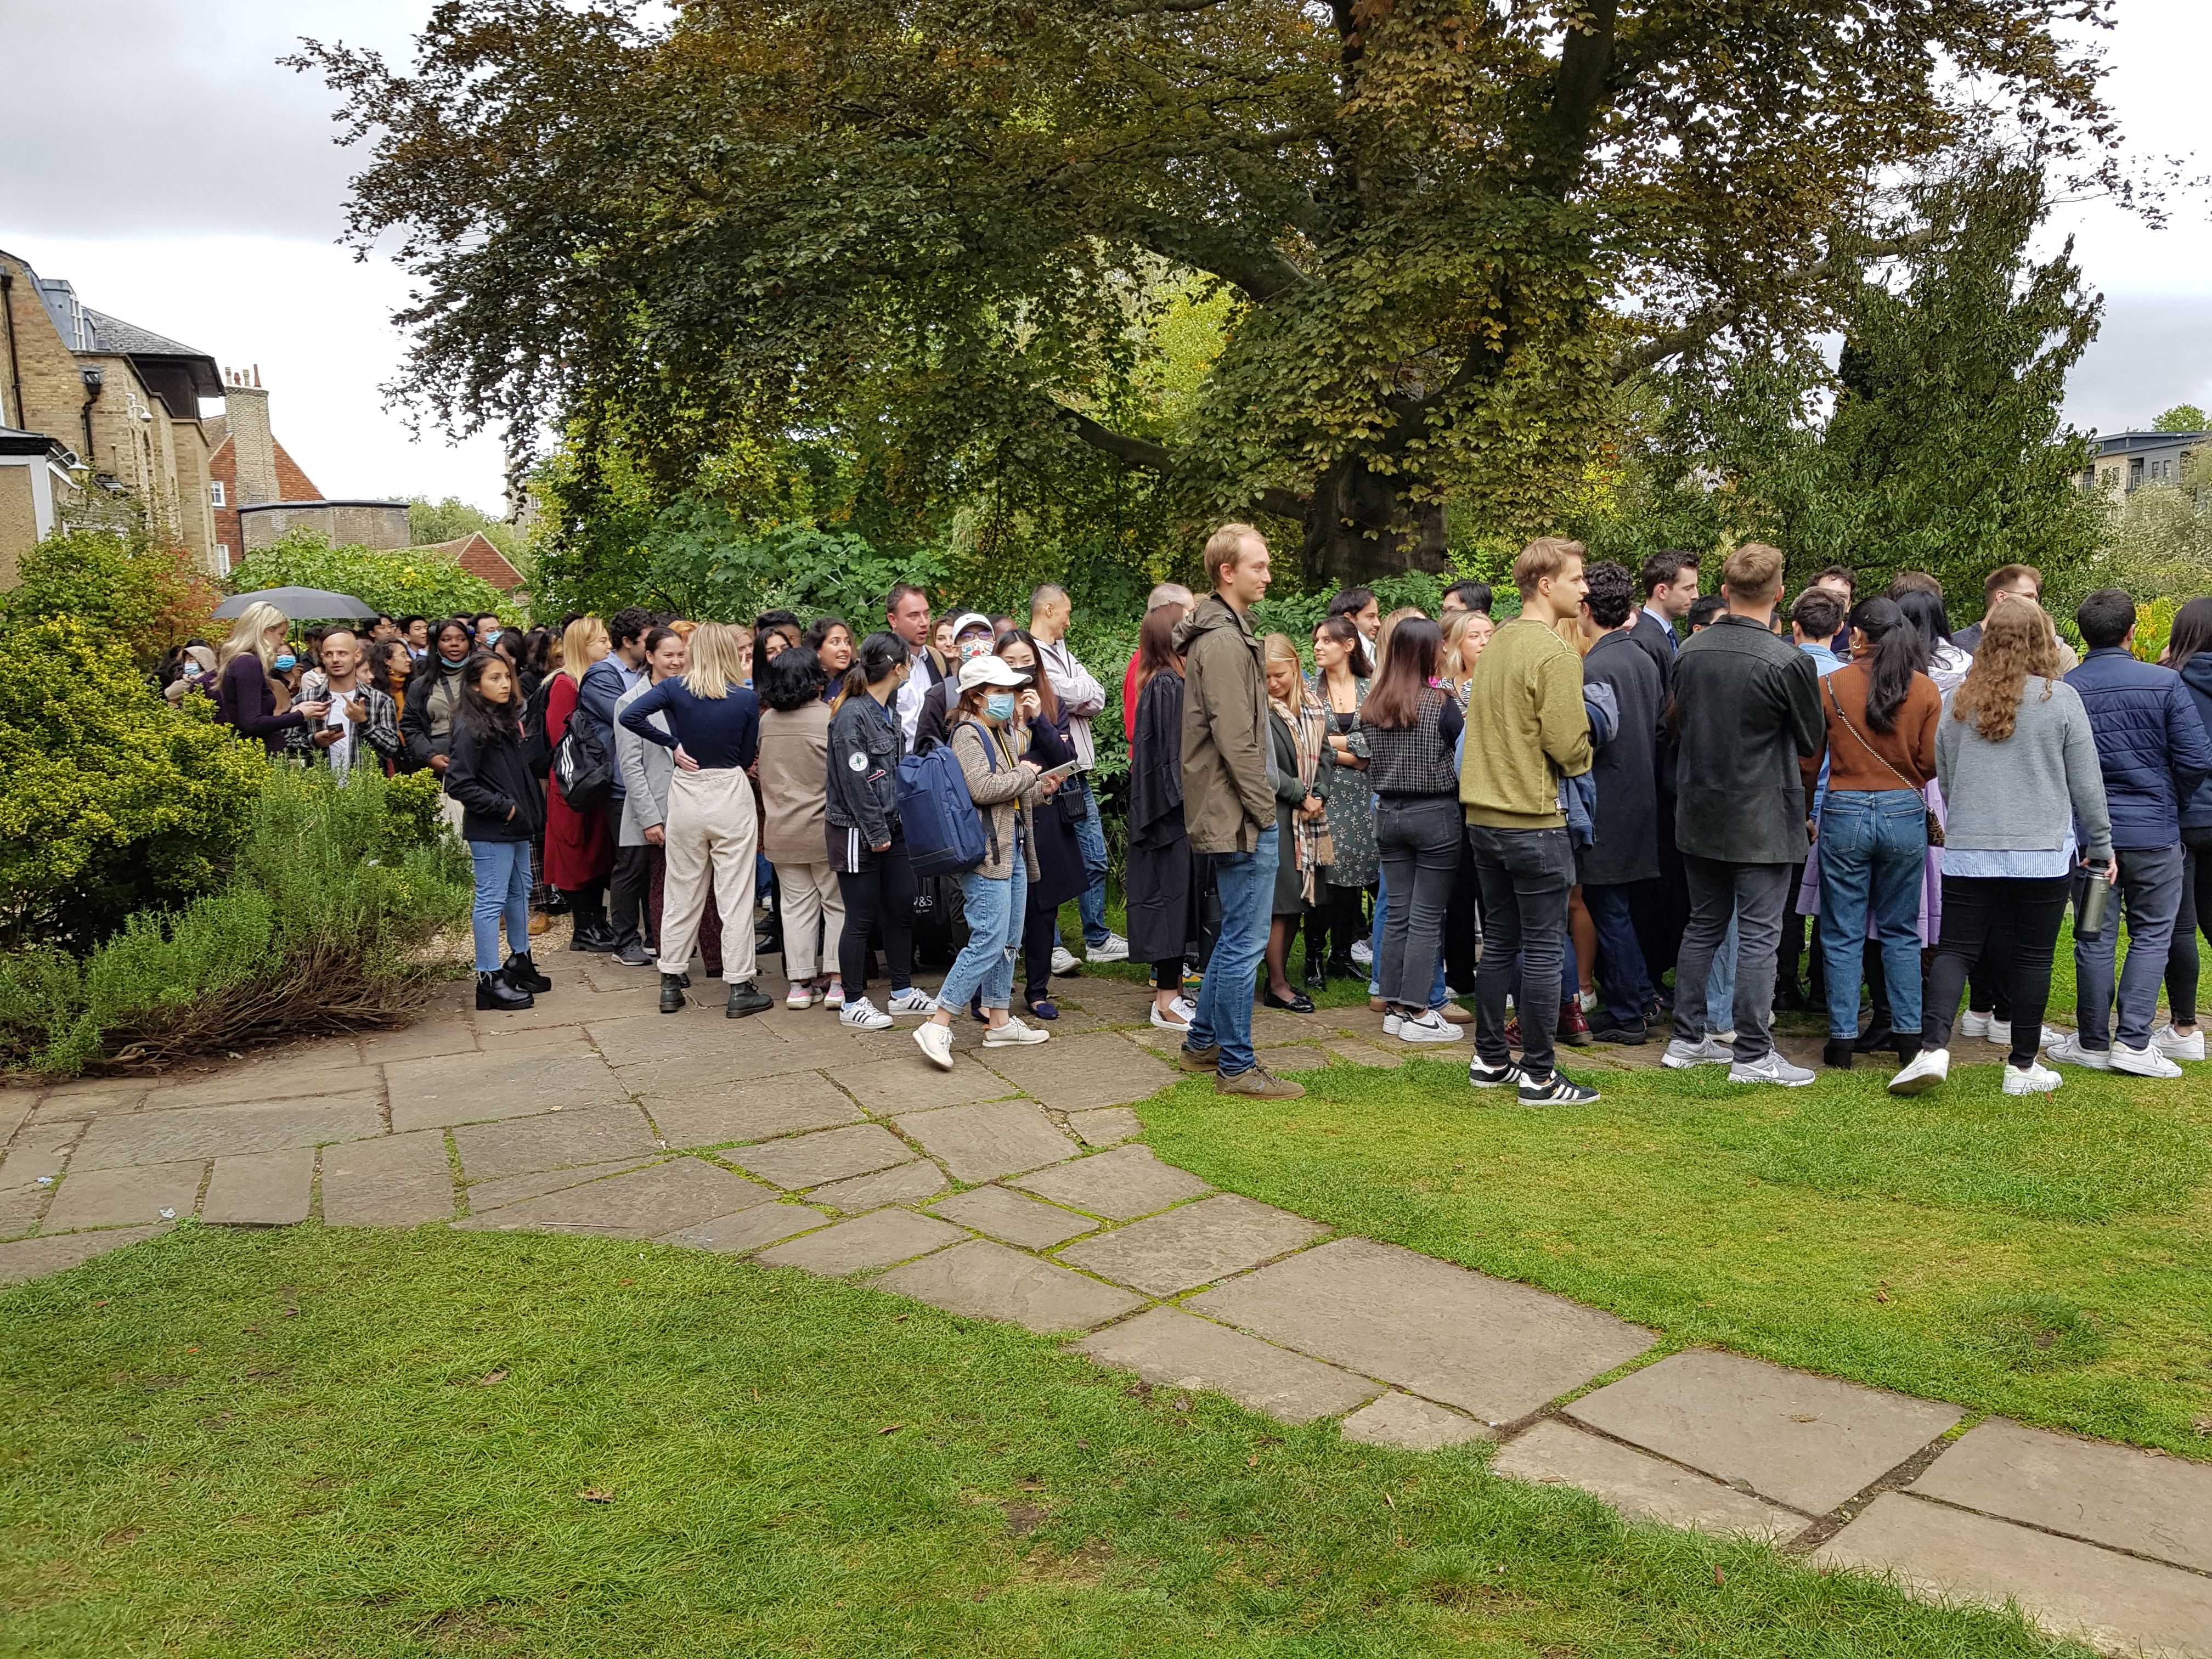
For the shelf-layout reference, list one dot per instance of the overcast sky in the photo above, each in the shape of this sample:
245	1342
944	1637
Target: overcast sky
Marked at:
164	164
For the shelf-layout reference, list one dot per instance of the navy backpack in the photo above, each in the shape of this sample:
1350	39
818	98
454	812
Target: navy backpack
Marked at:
943	831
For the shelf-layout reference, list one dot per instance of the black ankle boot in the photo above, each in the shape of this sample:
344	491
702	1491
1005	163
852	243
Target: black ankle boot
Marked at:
495	995
1837	1052
1908	1047
1876	1037
745	1000
1316	977
522	971
671	993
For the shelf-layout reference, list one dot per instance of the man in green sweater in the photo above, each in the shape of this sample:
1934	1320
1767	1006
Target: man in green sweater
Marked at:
1526	729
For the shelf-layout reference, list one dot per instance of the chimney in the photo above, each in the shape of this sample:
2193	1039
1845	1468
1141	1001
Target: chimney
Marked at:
246	408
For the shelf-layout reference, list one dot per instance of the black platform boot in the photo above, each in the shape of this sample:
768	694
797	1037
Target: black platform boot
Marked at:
522	971
746	1000
495	995
1838	1053
671	993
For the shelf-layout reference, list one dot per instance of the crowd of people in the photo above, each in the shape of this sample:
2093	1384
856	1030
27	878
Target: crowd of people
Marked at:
1630	804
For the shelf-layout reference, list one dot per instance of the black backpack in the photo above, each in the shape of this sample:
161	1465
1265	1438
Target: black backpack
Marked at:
583	771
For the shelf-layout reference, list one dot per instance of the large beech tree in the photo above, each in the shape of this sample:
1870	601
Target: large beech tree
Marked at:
942	227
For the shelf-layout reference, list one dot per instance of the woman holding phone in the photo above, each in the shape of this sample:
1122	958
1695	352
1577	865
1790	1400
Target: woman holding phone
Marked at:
1061	875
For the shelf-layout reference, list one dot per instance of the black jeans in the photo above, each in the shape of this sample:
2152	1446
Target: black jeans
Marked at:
1463	922
1418	838
1997	919
2181	964
1040	934
881	895
1756	895
630	887
1526	876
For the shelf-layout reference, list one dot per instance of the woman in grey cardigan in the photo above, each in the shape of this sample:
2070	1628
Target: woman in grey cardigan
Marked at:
2019	769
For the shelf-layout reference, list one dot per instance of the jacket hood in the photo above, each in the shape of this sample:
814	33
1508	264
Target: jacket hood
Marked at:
1213	612
2197	674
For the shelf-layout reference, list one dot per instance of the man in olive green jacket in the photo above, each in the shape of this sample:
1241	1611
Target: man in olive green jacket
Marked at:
1229	805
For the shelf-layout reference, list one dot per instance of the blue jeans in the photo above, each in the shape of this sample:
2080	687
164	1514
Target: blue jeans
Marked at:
1374	943
1873	855
1090	838
1619	958
502	869
2150	896
1246	884
996	906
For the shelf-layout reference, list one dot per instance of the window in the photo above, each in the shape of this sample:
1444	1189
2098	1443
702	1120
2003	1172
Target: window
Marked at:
222	554
214	491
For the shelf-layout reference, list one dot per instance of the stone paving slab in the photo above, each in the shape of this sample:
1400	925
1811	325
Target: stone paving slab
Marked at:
902	1183
1094	1069
642	1203
205	1132
513	1189
1107	1125
111	1198
904	1080
563	1042
878	1240
1194	1245
1292	1057
1016	1219
2112	1602
983	1142
1362	1054
986	1280
1409	1424
1641	1487
2159	1506
736	1112
429	1094
523	1145
1171	1349
88	1096
295	1075
420	1040
1496	1349
1809	1441
1121	1185
14	1107
261	1189
746	1229
395	1181
810	1160
34	1258
42	1150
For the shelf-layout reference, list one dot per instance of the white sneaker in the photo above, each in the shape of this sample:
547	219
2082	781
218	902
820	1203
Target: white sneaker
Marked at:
1427	1027
912	1001
2146	1061
799	996
2067	1050
1174	1020
860	1014
1012	1033
834	996
1064	961
1973	1024
936	1042
2033	1080
2052	1036
1922	1072
2174	1046
1184	1009
1363	953
1770	1068
1587	1000
1393	1024
1116	949
1726	1039
1999	1034
1682	1053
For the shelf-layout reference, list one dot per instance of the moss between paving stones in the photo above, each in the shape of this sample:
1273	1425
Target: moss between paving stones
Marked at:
2048	1260
376	1443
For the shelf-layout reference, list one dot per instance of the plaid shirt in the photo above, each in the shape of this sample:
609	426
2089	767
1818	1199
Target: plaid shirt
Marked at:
381	730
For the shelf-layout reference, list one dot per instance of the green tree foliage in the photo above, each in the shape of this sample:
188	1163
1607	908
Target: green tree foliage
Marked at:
429	521
397	582
142	595
2158	538
1426	240
2182	417
112	800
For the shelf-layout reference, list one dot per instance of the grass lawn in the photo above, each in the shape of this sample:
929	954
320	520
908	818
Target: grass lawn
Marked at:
2051	1261
362	1444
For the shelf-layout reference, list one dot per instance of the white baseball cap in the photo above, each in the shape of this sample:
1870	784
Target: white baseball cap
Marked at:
992	670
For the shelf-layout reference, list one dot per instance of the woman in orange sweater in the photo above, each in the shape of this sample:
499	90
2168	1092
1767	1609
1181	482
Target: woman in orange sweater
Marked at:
1883	711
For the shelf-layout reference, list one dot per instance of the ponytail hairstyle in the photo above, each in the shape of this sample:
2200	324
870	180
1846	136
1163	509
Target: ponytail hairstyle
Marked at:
879	656
1345	631
1896	651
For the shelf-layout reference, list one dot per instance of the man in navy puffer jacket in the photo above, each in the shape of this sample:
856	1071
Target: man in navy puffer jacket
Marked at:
2153	752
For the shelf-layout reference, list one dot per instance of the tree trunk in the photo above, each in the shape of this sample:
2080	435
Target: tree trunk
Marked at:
1357	528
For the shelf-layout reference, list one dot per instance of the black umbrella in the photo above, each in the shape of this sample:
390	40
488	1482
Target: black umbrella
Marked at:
301	604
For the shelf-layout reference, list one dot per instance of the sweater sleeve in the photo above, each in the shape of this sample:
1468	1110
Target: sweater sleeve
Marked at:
2084	782
986	787
465	780
638	716
1927	707
252	703
1562	721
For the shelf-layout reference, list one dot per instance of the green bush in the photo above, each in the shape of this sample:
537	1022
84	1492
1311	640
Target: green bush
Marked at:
335	893
112	800
146	598
400	581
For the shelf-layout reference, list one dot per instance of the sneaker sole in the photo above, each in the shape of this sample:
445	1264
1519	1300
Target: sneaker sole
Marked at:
2012	1087
1915	1085
1774	1081
1509	1080
1428	1036
943	1065
2155	1077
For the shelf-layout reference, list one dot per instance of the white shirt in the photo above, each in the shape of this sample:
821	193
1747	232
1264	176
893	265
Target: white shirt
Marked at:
1080	696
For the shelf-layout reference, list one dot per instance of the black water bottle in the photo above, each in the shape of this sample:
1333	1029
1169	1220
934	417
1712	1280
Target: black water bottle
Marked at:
2089	913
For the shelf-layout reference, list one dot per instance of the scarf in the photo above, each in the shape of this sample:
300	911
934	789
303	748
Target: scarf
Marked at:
1310	838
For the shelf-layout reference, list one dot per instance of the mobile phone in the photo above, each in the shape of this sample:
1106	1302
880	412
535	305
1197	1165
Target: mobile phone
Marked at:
1057	773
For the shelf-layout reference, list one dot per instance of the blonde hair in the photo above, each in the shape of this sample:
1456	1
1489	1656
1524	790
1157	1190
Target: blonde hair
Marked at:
1545	557
576	641
1390	626
1226	546
1753	571
1570	635
1457	626
718	660
250	633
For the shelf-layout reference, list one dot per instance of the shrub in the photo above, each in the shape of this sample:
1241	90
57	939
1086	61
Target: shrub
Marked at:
146	598
112	800
336	891
396	581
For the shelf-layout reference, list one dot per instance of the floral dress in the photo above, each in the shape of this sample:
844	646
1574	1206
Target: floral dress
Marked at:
1351	805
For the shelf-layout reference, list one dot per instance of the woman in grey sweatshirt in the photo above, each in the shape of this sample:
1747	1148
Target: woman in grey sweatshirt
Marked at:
2027	796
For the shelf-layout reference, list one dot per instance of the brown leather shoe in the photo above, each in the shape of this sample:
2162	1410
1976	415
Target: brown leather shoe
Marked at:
1378	1006
1198	1059
1453	1014
1260	1082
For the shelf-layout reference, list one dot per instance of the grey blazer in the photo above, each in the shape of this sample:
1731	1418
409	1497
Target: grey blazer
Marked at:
645	769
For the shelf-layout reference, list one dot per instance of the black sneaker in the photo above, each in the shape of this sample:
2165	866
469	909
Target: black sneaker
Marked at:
1631	1035
1481	1075
1557	1090
634	954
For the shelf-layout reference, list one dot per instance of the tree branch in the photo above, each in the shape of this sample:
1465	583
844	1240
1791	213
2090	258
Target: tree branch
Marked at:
1156	457
1144	8
1580	88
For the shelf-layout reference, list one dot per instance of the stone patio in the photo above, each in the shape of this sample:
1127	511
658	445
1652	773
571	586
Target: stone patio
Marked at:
1013	1187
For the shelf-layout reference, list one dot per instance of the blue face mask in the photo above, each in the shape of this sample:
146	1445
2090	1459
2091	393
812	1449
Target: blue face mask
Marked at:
451	662
286	663
1000	705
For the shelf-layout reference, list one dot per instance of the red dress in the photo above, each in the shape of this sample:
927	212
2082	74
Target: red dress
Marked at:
579	851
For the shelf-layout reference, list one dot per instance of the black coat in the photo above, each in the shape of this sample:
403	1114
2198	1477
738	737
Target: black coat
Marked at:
1161	884
1627	770
1061	875
1659	644
1747	705
488	776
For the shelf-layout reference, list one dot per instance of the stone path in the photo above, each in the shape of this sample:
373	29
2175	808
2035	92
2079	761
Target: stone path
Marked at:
1014	1188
